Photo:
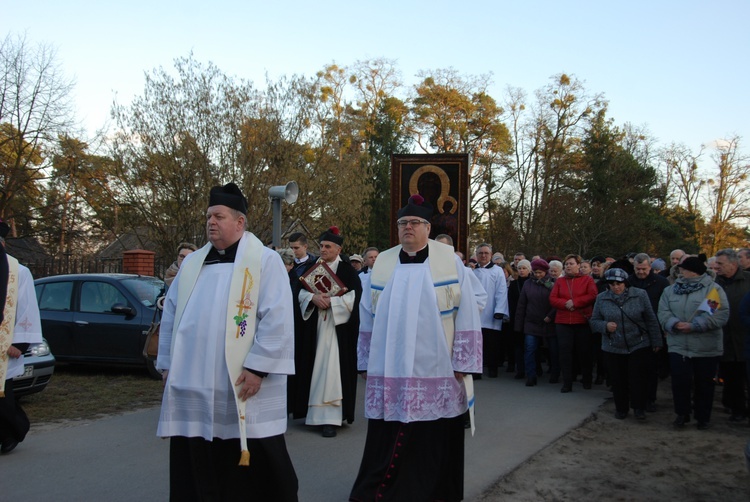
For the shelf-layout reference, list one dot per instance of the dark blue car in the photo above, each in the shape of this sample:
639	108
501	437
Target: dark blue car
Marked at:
98	318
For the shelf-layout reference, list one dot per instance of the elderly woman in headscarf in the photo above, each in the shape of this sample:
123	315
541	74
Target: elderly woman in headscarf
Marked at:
692	313
630	333
534	318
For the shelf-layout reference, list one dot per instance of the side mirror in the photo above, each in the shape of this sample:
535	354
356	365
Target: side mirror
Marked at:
121	308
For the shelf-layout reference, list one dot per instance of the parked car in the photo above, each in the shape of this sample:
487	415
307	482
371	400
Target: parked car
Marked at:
38	366
98	318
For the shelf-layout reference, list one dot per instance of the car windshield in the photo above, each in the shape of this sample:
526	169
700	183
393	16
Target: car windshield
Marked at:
146	289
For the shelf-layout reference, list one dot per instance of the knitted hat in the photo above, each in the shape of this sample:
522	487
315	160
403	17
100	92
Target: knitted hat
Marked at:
539	264
418	207
332	235
229	195
695	264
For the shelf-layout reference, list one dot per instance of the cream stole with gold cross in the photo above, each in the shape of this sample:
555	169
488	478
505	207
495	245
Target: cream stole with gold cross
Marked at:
9	320
241	312
447	290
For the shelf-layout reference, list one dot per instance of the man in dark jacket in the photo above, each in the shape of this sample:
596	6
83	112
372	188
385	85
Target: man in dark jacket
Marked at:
736	284
654	284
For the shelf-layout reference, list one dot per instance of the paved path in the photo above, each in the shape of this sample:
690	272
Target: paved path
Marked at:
119	458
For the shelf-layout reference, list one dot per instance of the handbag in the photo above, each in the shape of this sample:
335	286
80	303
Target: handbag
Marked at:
151	347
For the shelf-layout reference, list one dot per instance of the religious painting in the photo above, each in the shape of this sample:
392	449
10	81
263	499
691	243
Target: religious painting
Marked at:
443	180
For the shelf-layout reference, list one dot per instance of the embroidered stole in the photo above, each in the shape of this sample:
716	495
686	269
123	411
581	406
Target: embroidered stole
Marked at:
9	320
447	290
241	312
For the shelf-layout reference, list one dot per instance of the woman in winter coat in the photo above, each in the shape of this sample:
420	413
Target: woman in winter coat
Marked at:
630	333
535	319
573	297
523	269
692	312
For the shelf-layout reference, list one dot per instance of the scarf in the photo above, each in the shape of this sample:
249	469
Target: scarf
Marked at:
687	286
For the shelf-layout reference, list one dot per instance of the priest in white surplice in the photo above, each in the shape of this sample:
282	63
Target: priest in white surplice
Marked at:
420	339
326	380
20	326
226	348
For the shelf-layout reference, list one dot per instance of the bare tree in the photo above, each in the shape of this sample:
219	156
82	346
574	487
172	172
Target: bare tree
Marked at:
728	194
34	108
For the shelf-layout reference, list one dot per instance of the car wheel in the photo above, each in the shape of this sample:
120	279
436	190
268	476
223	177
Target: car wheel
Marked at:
152	371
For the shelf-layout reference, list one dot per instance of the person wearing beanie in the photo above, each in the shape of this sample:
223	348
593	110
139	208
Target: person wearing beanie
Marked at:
535	319
20	326
419	341
631	334
225	350
325	384
692	312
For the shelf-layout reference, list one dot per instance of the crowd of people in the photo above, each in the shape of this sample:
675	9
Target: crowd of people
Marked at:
251	335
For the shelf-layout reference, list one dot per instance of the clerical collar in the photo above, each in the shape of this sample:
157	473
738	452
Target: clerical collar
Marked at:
221	256
489	265
418	257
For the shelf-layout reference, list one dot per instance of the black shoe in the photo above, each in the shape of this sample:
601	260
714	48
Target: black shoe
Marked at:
519	376
8	446
554	379
329	431
651	407
639	414
621	415
530	382
702	426
566	388
681	420
492	372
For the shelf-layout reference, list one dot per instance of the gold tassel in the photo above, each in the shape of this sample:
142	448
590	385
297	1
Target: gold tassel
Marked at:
245	458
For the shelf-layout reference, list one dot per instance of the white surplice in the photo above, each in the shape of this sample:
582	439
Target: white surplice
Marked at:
326	392
199	397
410	368
28	326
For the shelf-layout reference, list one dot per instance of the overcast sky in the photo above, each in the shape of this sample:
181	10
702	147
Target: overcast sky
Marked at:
680	68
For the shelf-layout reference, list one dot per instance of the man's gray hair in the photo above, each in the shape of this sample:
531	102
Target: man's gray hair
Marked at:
483	245
642	258
556	264
238	214
744	252
730	254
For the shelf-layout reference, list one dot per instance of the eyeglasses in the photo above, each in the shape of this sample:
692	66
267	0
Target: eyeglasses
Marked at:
413	223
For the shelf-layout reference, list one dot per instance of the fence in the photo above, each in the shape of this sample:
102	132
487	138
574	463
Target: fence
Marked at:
85	265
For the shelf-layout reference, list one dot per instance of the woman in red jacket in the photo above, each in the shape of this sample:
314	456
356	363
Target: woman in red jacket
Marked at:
573	296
